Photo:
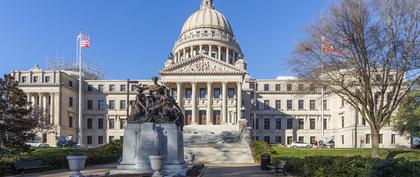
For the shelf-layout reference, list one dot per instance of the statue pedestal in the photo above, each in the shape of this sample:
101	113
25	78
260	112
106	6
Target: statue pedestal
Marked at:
143	140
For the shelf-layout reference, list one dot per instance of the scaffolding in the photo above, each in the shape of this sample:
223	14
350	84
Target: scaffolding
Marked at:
90	70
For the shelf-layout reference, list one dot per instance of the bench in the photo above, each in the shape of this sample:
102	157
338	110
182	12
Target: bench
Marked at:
278	167
30	166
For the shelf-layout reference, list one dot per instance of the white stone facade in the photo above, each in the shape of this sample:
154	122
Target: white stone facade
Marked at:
208	76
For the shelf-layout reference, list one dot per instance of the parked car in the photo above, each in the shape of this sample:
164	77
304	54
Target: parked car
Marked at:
65	141
37	144
300	144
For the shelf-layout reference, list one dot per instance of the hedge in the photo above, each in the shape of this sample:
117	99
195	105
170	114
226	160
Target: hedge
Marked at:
55	158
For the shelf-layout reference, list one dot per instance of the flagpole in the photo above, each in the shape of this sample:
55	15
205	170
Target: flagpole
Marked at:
80	135
322	86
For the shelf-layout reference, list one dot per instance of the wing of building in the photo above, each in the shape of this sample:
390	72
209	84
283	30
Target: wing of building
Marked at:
207	73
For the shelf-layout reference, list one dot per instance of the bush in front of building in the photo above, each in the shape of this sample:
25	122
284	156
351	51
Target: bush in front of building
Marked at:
261	147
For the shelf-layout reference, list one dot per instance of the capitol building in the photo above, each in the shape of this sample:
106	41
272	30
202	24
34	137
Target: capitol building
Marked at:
208	77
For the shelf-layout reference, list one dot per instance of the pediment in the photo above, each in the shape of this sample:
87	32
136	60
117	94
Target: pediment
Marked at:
201	65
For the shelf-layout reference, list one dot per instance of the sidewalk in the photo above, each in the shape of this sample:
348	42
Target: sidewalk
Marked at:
96	170
236	170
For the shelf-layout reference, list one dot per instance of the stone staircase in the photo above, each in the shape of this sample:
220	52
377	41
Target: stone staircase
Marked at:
216	144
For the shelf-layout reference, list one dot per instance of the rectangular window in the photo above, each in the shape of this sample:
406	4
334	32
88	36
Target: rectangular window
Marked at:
363	121
121	138
251	85
312	140
35	79
70	121
257	125
100	140
301	139
216	93
23	80
47	79
278	87
278	124
70	83
266	124
266	87
133	87
301	123
256	86
257	105
111	104
101	105
342	139
90	88
278	104
300	87
174	93
325	124
89	139
111	123
312	104
122	104
342	102
325	105
289	87
101	88
203	93
111	88
70	101
300	104
312	124
289	123
89	123
231	93
188	93
289	104
123	88
392	138
367	138
312	87
89	104
122	123
289	139
100	123
278	139
44	138
381	138
267	139
342	121
266	104
111	139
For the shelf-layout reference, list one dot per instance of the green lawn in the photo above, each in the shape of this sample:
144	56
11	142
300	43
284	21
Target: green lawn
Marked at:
282	152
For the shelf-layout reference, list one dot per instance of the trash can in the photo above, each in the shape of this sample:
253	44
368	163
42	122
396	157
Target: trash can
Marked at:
265	161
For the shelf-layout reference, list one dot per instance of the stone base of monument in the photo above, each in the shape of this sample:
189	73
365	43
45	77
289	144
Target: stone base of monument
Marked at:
143	140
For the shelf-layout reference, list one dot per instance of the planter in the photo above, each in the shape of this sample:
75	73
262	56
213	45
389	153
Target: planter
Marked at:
157	162
76	163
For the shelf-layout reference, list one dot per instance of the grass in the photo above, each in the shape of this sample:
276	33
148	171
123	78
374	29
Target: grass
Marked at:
282	152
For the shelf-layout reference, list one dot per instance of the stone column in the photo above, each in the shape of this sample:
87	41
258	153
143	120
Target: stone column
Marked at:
41	104
210	50
209	104
219	53
177	58
239	102
178	95
57	106
184	54
33	99
201	49
227	54
44	102
52	109
224	102
28	96
191	51
194	103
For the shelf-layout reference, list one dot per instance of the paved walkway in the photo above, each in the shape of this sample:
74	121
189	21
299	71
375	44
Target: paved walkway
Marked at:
93	171
236	170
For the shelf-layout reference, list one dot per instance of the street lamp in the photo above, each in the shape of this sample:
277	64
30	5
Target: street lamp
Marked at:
243	109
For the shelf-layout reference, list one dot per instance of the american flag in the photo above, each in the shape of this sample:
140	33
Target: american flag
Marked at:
85	41
327	48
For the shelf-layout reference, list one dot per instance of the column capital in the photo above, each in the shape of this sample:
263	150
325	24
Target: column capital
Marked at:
179	83
224	83
193	83
209	82
239	83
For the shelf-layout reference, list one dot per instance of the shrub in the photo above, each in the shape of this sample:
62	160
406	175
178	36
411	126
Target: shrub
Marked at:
261	147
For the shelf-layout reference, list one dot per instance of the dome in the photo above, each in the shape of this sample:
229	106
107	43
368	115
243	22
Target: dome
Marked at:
207	17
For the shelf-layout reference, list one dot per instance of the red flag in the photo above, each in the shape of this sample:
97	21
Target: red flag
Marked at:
328	48
85	42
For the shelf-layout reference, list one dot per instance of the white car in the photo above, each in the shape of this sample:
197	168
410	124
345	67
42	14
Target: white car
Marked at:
36	144
300	144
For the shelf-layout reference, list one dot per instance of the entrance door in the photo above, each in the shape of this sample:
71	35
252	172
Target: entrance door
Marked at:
188	116
202	118
216	117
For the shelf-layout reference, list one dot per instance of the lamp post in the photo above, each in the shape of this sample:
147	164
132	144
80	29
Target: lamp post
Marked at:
243	109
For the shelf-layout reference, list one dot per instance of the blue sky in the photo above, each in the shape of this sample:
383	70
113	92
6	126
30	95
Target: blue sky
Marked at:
132	38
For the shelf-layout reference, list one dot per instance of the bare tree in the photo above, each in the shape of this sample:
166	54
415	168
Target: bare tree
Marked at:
43	122
366	52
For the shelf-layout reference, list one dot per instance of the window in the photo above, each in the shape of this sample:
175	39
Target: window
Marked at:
267	139
111	88
101	88
325	124
216	93
367	138
100	123
312	140
266	124
381	138
301	123
122	123
123	88
111	104
122	104
47	79
70	101
278	104
23	80
278	139
289	87
312	104
89	104
363	121
174	93
203	93
70	83
257	125
289	104
256	86
300	87
100	140
289	123
311	123
392	138
289	139
89	139
133	87
257	105
231	93
342	121
111	124
111	139
300	104
325	104
312	87
101	104
278	87
301	139
90	88
266	87
278	124
342	102
121	138
89	123
188	93
251	85
70	121
44	138
266	104
35	79
342	139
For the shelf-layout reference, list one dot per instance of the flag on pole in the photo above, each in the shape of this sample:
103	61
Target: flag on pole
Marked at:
327	48
84	41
